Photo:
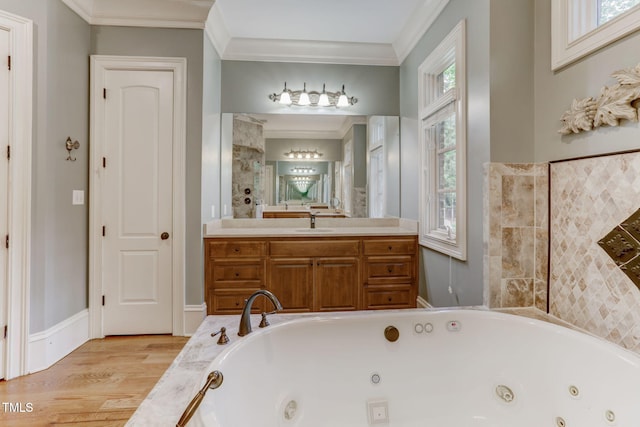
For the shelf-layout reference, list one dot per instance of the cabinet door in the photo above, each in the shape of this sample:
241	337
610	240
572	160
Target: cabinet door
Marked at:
337	284
291	280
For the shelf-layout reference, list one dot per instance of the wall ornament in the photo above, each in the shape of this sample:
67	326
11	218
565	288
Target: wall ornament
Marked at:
614	104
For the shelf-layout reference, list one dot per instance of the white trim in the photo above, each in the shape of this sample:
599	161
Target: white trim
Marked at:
565	50
217	31
418	24
317	52
97	12
455	42
20	137
106	12
50	346
193	317
99	64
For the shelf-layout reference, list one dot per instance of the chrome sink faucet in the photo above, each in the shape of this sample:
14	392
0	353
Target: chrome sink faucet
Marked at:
245	319
313	220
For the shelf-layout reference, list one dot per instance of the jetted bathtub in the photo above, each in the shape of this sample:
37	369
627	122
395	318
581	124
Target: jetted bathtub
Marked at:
453	368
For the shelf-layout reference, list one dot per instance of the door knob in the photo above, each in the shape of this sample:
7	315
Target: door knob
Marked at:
164	236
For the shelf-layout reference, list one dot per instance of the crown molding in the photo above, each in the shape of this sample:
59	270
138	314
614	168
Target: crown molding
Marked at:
84	8
167	13
107	12
302	134
418	24
318	52
216	30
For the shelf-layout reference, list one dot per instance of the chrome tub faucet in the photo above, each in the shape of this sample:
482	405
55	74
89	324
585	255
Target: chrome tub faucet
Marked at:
245	319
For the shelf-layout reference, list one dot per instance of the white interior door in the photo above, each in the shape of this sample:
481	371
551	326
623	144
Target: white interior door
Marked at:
4	191
137	202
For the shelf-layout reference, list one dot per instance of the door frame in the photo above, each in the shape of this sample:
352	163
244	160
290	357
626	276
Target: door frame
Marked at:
100	64
19	215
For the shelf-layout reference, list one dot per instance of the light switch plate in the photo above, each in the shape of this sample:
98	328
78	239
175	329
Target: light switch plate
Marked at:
78	197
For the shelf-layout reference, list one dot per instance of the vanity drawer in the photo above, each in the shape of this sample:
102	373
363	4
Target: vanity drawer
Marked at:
390	247
388	297
235	273
237	249
232	302
315	248
389	269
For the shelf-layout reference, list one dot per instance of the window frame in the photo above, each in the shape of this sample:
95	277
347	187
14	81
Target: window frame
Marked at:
575	33
431	110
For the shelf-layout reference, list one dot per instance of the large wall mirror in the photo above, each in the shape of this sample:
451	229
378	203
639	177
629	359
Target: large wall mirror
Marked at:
297	161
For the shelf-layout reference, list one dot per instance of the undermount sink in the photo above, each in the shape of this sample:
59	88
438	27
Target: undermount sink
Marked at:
313	230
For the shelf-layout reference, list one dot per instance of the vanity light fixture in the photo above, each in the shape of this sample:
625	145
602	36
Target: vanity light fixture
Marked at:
306	98
303	170
303	154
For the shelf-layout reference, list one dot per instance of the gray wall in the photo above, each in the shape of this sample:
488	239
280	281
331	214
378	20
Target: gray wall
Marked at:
555	91
59	230
512	69
188	44
466	277
247	85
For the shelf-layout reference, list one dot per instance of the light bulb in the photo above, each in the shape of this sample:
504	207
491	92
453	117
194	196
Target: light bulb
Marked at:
304	97
285	98
323	101
343	101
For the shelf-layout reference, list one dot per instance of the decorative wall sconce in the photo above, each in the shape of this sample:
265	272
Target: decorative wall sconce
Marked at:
313	98
303	154
71	145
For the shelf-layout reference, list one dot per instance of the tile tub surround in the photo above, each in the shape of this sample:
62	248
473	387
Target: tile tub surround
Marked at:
590	197
515	235
166	402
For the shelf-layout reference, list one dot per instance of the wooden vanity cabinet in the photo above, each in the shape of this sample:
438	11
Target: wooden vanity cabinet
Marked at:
315	275
311	273
234	269
390	273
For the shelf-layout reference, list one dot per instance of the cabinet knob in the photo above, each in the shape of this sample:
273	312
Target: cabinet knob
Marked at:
164	236
237	274
390	248
389	269
390	299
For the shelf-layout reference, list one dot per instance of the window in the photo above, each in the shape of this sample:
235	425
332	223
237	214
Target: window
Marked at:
442	116
579	27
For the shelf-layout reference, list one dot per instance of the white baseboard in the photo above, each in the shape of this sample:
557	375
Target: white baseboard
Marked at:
48	347
193	317
422	303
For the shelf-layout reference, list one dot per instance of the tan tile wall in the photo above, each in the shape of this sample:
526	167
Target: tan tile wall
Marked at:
515	235
588	198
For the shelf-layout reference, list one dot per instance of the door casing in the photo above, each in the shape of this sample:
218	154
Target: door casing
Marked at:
19	209
99	65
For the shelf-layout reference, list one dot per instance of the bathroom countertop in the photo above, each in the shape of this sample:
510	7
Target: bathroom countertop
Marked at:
166	402
300	227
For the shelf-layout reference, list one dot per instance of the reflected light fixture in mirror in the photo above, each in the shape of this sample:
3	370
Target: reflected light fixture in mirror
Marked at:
303	154
306	98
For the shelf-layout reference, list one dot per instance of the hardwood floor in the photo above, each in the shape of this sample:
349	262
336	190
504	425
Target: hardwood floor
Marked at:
99	384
